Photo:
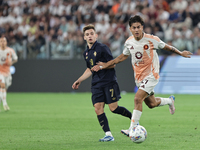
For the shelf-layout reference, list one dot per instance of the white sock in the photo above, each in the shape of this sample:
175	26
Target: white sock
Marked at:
108	133
165	101
135	118
4	97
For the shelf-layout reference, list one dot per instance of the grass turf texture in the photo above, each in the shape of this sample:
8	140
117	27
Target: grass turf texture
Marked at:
59	121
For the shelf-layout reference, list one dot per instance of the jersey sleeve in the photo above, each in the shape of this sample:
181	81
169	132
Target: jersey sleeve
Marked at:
107	53
84	56
126	50
161	44
158	44
13	54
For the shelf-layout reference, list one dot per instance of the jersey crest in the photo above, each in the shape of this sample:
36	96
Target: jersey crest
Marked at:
95	53
146	47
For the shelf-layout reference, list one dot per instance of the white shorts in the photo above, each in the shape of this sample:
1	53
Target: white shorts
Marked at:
6	79
148	84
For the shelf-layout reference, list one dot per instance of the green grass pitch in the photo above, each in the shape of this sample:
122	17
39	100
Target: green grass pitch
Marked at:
66	121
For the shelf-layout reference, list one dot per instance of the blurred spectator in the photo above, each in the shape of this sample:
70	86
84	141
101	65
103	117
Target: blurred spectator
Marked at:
63	25
180	5
24	28
72	27
115	45
34	46
115	6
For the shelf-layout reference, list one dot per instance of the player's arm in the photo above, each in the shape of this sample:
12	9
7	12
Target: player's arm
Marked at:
84	76
14	61
11	58
99	67
111	63
175	50
115	61
10	62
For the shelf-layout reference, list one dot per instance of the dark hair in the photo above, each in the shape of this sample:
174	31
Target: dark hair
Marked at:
88	27
135	19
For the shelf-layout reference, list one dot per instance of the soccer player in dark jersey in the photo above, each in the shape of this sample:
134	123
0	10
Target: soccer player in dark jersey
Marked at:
104	88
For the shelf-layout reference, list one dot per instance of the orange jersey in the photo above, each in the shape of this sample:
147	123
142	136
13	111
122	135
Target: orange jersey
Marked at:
6	55
144	57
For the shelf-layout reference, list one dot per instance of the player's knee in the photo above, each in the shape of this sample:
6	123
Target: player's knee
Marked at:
137	100
113	106
2	85
113	109
98	110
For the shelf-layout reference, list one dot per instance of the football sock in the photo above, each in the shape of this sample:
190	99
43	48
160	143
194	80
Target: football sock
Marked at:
103	121
123	111
4	97
108	133
135	117
165	101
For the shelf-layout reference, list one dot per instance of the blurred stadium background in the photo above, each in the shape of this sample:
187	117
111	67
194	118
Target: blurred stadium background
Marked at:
47	37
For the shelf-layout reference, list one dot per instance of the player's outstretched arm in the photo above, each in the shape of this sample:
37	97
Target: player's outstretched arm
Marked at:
84	76
175	50
99	67
109	64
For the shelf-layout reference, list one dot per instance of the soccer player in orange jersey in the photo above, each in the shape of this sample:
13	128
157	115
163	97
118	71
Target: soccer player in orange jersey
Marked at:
7	58
142	48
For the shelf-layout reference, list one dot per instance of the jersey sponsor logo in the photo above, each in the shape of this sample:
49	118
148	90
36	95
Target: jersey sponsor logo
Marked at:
95	53
3	59
143	86
146	47
132	47
138	55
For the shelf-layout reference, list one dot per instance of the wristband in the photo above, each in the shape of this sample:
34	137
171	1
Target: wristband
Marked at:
101	67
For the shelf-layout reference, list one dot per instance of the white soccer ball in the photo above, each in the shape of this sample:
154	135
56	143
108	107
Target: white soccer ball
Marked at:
138	134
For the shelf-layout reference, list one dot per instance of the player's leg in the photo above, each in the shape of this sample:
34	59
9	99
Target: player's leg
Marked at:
3	92
1	80
115	108
3	96
98	102
103	121
8	82
112	97
137	112
153	101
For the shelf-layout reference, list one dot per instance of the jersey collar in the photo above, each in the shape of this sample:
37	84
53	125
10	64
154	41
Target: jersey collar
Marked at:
93	46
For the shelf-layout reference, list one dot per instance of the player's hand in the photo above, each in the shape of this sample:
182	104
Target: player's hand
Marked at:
96	68
102	64
76	85
186	54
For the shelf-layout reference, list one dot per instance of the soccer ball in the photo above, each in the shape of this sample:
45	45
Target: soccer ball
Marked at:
138	134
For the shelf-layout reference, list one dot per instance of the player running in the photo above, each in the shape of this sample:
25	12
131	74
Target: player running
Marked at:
105	89
142	48
7	58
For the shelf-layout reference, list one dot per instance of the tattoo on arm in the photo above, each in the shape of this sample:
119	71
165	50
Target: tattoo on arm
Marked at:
173	49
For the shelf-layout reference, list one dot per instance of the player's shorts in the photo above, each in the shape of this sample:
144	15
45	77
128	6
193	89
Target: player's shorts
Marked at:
108	94
6	79
148	84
